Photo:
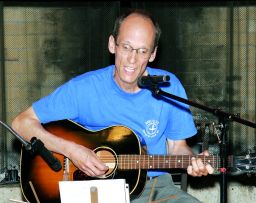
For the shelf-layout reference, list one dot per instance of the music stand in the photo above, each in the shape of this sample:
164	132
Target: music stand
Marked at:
95	191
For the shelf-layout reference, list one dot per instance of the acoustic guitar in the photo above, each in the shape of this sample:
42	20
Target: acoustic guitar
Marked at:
119	148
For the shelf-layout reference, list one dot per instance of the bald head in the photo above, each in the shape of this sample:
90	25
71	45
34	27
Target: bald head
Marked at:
137	15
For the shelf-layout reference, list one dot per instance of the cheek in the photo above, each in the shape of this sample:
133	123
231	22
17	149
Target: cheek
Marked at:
118	59
143	66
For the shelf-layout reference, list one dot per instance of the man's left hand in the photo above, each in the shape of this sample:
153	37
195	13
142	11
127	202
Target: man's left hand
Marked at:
198	168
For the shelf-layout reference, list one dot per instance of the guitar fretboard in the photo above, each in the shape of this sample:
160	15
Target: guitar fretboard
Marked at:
126	162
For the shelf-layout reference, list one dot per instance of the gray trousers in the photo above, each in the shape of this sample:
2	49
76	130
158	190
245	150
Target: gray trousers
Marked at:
163	190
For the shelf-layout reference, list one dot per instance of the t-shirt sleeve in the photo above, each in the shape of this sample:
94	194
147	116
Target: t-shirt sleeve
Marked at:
60	104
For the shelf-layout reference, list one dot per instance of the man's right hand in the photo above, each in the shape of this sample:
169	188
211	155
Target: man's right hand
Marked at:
86	160
28	125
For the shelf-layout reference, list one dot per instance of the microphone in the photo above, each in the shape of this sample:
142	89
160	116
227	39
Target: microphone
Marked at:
38	146
149	80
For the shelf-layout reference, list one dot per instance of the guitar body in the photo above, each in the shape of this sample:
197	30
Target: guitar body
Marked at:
119	148
39	183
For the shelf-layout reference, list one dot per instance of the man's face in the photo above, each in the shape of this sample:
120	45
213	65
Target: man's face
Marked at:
133	49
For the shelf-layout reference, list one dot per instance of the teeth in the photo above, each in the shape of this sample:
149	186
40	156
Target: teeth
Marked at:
129	69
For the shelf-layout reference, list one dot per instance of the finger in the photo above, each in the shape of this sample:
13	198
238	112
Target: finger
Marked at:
199	168
88	172
97	171
209	168
91	170
190	170
195	167
99	164
206	153
202	168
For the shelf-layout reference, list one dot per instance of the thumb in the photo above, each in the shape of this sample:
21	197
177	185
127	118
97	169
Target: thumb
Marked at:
205	152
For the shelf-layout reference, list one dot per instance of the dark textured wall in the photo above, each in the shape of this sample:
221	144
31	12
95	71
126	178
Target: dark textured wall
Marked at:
45	46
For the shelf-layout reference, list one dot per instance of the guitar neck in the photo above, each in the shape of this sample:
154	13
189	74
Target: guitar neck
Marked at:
126	162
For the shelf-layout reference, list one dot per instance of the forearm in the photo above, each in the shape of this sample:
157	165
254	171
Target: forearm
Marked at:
178	147
29	126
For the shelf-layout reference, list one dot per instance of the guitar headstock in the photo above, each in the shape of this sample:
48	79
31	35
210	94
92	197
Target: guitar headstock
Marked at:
244	164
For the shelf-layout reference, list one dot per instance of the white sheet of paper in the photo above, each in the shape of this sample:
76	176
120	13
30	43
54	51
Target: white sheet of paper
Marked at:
108	190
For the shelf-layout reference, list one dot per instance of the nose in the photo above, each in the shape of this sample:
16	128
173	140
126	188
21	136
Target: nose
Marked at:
132	56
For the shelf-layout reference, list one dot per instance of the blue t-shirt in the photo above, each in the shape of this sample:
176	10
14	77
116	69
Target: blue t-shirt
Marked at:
95	101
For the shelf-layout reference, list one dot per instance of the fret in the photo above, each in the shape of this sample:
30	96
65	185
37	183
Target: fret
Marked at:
124	166
129	162
217	162
209	160
137	163
121	162
165	162
169	161
152	161
148	161
178	161
213	162
182	162
158	162
144	161
175	161
132	161
125	162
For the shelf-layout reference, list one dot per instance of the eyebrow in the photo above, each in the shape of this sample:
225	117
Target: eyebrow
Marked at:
128	43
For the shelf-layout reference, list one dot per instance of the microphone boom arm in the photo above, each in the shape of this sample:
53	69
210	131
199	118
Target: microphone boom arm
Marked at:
26	144
230	117
37	146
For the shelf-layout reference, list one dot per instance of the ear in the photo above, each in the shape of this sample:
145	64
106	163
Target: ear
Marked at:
111	44
153	55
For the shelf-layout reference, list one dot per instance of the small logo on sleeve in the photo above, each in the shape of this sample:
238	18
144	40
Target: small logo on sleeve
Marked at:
151	128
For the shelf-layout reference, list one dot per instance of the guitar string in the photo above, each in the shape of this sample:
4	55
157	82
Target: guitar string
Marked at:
161	160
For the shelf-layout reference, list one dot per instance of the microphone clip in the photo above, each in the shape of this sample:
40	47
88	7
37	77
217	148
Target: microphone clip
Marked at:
37	147
152	82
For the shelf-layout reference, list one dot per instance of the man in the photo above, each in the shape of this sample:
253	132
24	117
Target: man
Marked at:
111	96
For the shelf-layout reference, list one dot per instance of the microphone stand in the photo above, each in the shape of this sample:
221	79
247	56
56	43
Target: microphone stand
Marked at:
224	119
36	147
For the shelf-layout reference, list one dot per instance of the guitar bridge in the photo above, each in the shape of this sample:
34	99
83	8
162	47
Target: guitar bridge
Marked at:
66	171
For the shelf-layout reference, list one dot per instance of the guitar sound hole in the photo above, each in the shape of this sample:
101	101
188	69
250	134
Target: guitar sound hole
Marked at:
106	155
